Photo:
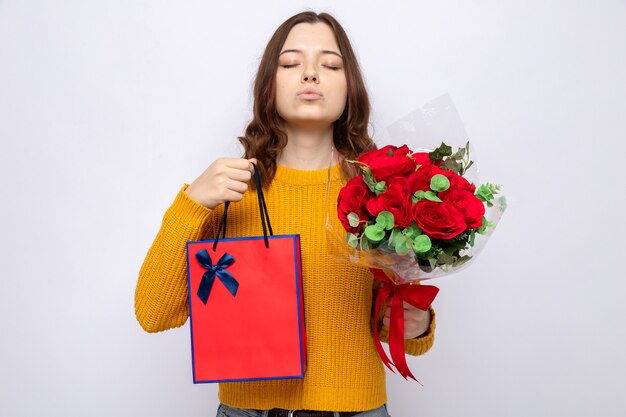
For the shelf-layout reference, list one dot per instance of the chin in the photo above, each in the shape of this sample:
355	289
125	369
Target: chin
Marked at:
319	122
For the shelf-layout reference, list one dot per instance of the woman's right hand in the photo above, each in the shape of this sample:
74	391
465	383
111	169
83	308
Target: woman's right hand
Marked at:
226	179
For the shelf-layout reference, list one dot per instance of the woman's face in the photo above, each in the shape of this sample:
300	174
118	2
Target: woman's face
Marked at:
311	88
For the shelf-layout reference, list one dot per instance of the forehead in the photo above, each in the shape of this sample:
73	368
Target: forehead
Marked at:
311	36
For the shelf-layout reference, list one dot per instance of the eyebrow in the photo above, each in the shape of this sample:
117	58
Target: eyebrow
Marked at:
324	51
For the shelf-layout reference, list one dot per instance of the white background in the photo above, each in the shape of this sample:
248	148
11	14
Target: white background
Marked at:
107	108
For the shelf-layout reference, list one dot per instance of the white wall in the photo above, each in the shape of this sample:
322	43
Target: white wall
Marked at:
106	108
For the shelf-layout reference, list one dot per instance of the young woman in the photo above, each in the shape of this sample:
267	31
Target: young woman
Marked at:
310	109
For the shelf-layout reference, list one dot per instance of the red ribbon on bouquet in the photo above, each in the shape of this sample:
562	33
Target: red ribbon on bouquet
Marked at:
419	296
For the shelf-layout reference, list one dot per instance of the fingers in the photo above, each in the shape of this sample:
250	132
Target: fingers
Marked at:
236	185
232	196
254	161
226	179
408	310
237	163
241	163
236	174
414	320
240	169
414	314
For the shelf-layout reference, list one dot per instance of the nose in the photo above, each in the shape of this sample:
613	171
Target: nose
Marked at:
310	75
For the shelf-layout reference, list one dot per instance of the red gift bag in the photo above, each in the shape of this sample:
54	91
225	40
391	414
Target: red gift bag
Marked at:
246	306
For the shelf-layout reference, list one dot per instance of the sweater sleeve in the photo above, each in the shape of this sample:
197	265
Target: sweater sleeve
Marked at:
161	292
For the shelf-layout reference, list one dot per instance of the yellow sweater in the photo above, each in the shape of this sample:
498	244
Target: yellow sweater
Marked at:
344	372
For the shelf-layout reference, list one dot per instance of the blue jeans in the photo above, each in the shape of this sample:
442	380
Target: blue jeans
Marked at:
227	411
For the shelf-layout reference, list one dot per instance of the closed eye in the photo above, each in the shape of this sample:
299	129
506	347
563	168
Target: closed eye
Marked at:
289	65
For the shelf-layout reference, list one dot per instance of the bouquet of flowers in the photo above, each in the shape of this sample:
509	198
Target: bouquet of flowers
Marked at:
414	214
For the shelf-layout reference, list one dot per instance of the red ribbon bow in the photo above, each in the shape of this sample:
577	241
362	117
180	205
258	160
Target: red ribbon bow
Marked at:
419	296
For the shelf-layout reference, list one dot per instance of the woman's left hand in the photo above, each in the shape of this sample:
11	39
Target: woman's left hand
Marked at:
416	321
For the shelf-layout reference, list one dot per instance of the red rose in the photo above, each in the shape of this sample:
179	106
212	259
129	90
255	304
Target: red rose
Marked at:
420	179
467	203
395	200
401	183
457	182
389	162
422	158
352	198
438	220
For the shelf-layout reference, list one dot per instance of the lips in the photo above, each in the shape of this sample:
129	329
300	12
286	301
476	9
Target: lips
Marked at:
309	93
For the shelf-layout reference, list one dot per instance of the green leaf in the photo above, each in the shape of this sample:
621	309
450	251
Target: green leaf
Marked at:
439	183
374	232
367	172
445	259
369	180
482	229
440	152
395	234
487	191
459	154
461	260
385	220
429	195
419	195
452	165
486	224
380	187
353	240
353	219
435	156
402	245
458	242
445	149
412	231
422	244
484	193
433	263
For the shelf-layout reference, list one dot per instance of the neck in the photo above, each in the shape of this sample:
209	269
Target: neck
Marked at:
307	149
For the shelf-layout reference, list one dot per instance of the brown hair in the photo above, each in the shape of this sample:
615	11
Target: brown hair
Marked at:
264	138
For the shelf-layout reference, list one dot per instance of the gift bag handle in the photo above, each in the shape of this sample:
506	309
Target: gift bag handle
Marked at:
265	218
